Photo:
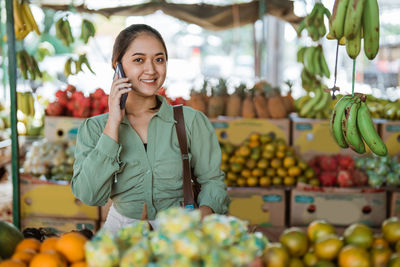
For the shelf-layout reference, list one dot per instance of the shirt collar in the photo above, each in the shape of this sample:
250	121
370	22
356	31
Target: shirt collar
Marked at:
165	112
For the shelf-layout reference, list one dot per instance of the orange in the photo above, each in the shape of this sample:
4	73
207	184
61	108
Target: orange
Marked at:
24	255
359	234
276	163
277	180
268	154
391	230
240	160
251	164
262	163
71	246
289	162
280	154
224	167
352	255
252	181
12	263
310	259
380	256
48	259
265	181
79	264
379	242
265	138
270	172
253	144
224	157
295	262
319	228
257	172
236	167
302	165
241	181
302	179
295	241
275	255
281	172
270	147
314	182
294	171
328	247
231	176
289	181
255	137
309	173
281	147
245	173
244	151
28	243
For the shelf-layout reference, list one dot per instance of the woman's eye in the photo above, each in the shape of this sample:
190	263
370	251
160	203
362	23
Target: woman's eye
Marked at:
138	60
159	60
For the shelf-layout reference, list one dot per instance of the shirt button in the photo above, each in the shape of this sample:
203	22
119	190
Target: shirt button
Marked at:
148	171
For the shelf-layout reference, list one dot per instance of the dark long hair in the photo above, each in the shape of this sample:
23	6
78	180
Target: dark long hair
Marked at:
126	37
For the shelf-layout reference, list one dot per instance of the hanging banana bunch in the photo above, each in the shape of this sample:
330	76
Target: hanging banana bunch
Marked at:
28	65
314	22
63	31
77	65
26	103
87	30
24	22
351	126
354	20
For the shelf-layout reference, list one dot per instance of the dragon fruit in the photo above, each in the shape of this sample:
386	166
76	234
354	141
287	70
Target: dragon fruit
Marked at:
344	179
328	178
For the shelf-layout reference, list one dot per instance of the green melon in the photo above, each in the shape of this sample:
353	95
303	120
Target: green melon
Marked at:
10	236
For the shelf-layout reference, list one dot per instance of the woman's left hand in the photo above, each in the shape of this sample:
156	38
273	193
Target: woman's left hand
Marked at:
205	211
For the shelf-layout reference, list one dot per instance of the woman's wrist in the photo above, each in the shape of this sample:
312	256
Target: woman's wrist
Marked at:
205	211
111	129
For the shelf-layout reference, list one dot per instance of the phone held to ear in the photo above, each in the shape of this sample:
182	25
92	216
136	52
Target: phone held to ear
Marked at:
121	74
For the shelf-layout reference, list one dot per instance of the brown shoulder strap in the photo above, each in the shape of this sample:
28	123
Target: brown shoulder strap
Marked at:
188	198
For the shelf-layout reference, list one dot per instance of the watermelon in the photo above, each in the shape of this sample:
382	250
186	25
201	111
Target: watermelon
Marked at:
10	236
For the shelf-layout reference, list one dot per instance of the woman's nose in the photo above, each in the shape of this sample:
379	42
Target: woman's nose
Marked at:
149	67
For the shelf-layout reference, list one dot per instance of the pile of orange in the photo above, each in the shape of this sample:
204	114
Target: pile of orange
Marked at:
67	250
262	160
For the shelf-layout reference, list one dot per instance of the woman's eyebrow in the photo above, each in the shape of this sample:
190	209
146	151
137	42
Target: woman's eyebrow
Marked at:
142	54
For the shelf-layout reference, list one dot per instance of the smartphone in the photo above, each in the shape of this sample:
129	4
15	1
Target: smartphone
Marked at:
121	74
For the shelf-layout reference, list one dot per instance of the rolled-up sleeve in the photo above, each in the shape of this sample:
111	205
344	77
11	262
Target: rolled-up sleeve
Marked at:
206	162
96	163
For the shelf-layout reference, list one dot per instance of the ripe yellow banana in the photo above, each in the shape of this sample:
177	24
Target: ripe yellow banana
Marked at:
371	28
352	26
336	23
18	19
349	126
368	131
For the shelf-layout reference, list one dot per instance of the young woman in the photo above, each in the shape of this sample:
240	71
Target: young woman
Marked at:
132	155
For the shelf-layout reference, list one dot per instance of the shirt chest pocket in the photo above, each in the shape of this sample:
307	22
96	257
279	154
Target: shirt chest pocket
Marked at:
168	173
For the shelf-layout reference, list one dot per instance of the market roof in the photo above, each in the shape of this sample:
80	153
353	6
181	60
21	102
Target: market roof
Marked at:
208	16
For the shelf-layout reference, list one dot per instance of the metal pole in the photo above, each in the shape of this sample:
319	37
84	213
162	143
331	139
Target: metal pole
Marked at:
3	49
12	74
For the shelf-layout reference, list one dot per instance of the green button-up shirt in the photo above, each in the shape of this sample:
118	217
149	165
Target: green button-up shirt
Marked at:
132	176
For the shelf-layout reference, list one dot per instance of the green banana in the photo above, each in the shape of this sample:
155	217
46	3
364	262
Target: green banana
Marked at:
324	66
87	30
60	31
317	60
336	23
67	31
67	67
354	13
36	68
299	103
368	132
83	60
353	46
22	65
310	18
349	126
308	106
300	54
301	27
308	60
327	13
336	121
371	28
323	102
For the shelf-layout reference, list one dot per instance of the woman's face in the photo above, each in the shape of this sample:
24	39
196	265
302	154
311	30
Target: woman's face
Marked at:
145	64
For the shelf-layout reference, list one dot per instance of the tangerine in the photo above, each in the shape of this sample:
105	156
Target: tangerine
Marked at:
289	181
310	259
12	263
79	264
276	163
277	180
270	172
241	181
380	256
24	255
252	181
281	172
391	229
231	176
295	241
275	255
268	155
257	172
28	243
380	242
255	137
289	162
245	173
352	256
319	228
328	247
294	171
359	234
48	259
265	181
262	164
71	246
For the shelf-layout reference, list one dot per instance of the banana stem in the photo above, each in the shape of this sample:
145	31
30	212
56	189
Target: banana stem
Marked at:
354	76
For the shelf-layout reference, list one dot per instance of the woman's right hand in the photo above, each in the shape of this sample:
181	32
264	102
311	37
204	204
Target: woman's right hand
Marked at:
118	88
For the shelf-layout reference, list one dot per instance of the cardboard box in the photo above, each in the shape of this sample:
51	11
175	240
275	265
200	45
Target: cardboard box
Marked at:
390	133
311	137
61	128
259	206
236	131
394	210
59	225
338	206
45	199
